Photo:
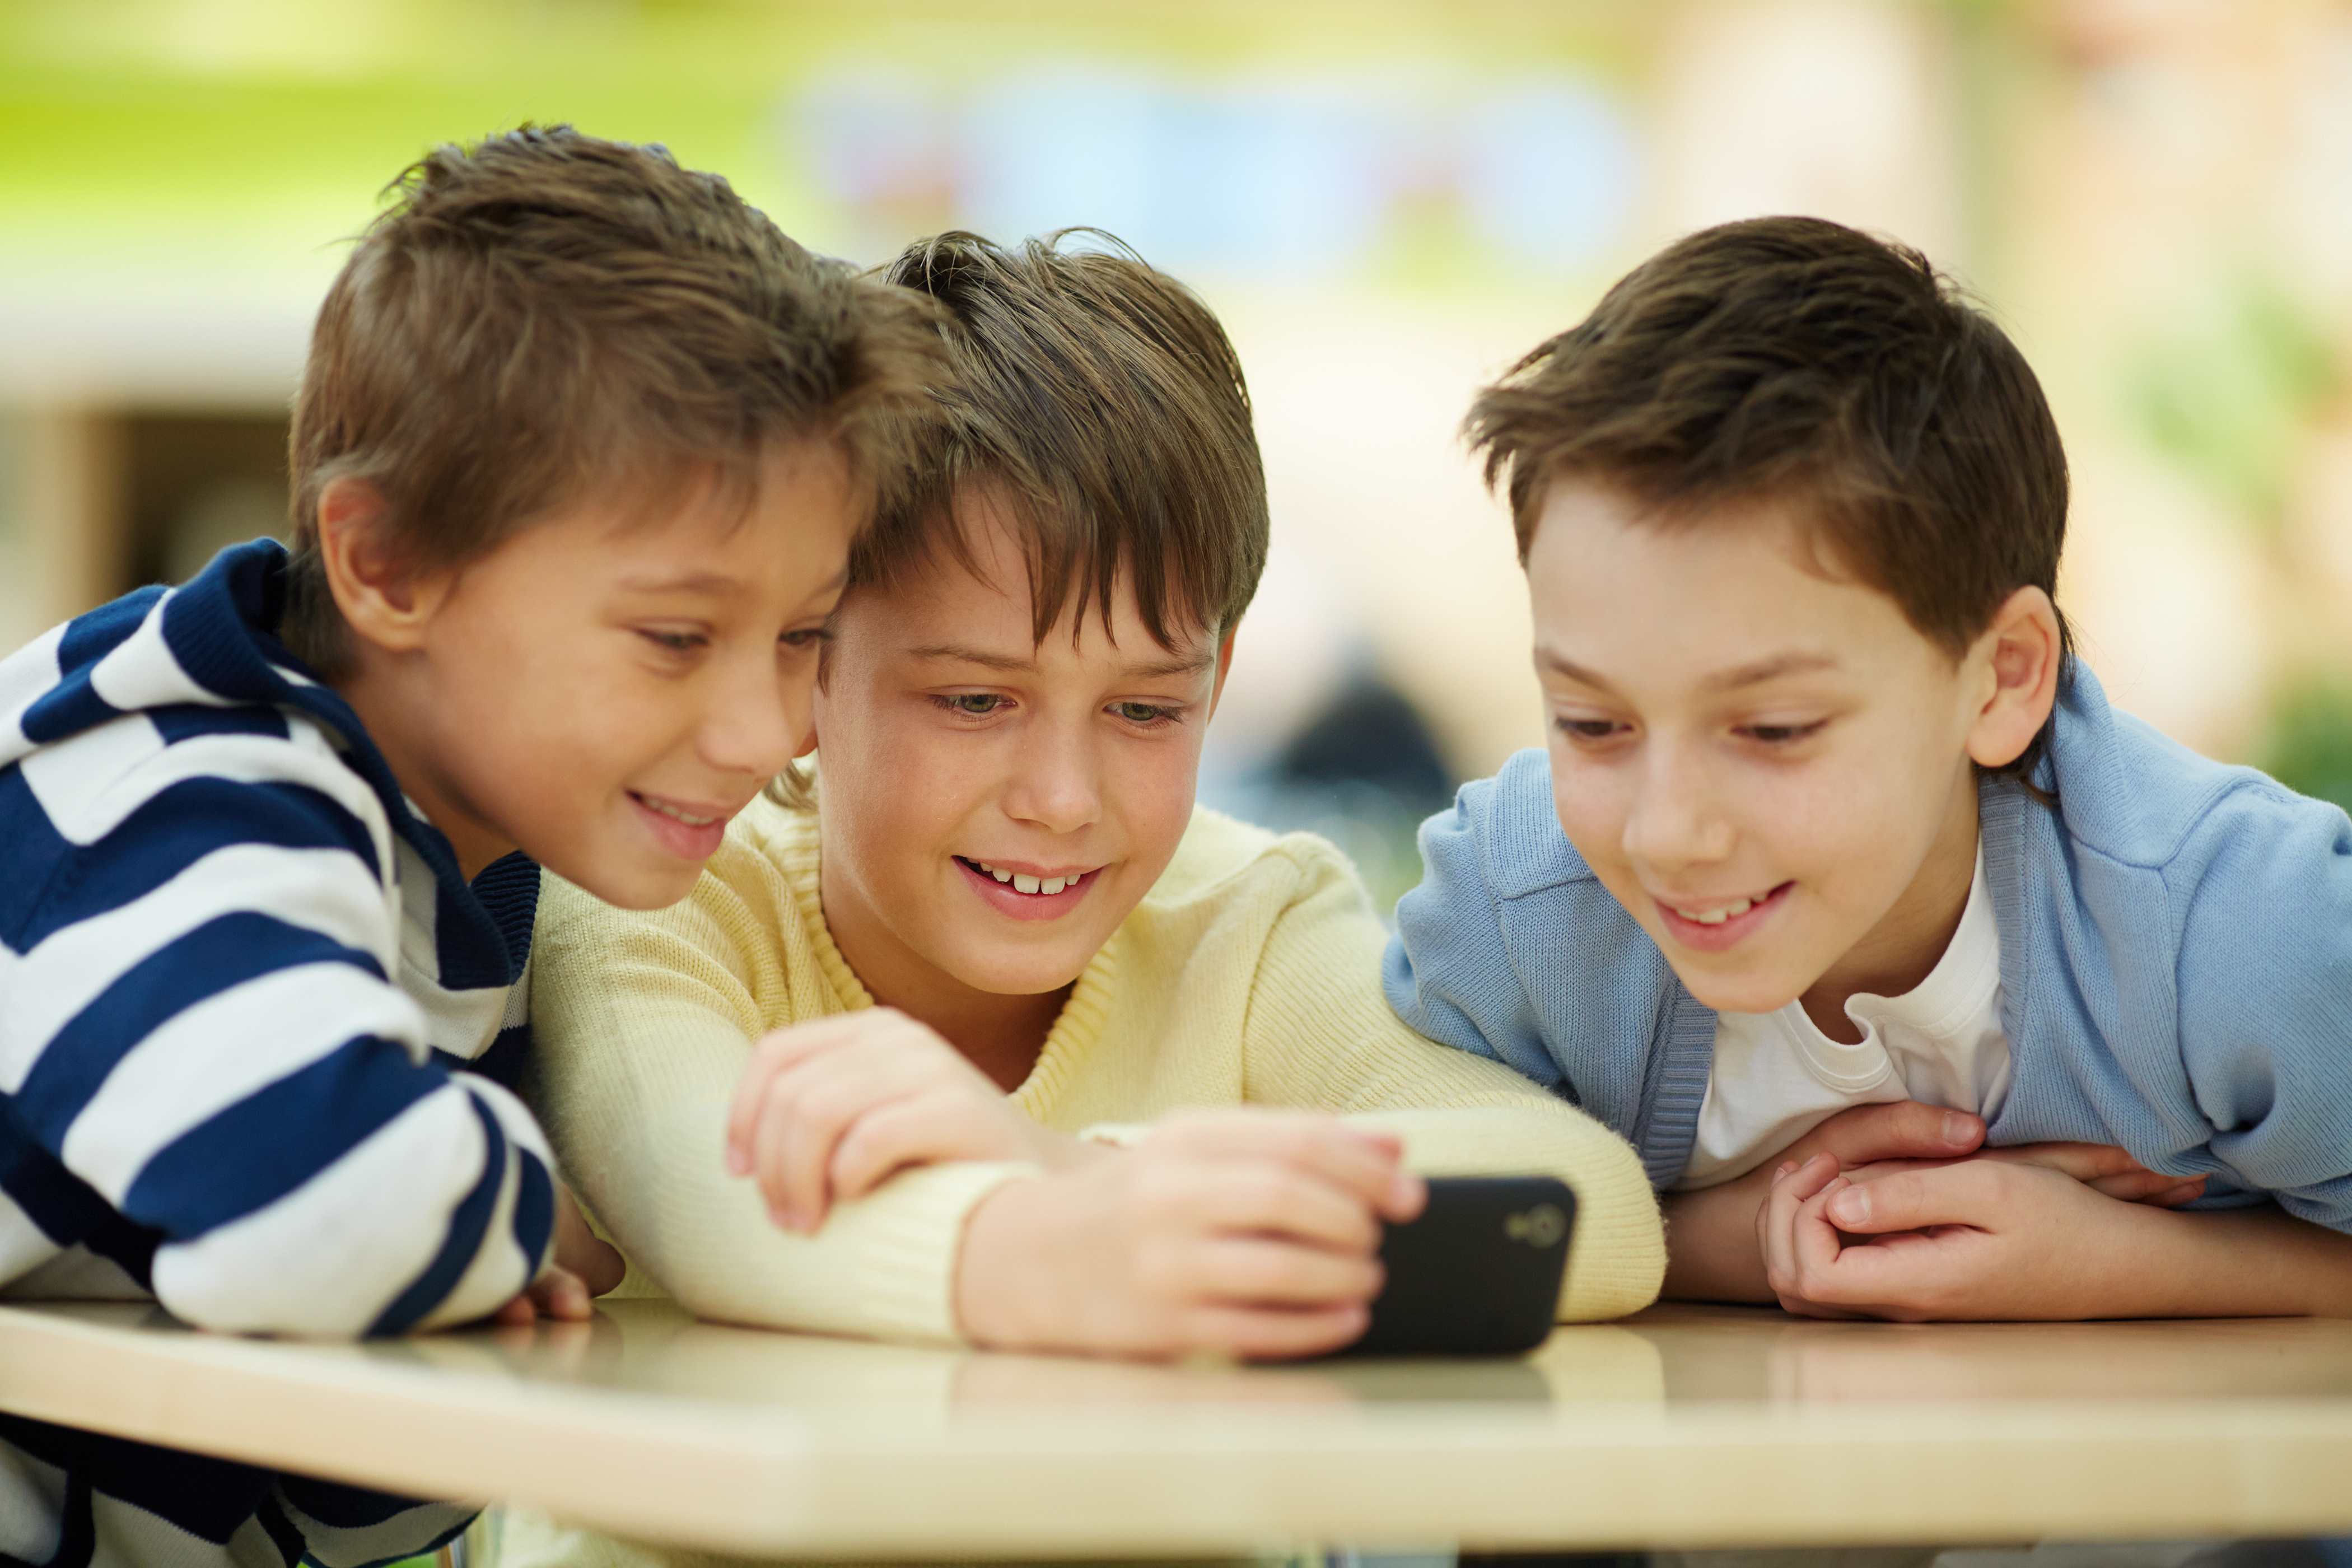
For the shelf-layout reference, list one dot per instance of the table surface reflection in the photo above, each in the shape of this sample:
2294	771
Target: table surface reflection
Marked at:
1684	1426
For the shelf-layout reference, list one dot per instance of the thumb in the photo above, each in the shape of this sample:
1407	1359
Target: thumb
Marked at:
1913	1200
1903	1130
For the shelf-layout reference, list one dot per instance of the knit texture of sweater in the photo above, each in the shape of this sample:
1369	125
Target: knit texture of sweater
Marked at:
1248	974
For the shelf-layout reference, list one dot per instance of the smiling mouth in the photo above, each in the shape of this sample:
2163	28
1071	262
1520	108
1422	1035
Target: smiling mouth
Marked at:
655	803
1715	914
1022	882
1723	913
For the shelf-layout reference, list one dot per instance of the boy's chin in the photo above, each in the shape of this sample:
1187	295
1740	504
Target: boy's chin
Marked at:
634	887
1724	993
1011	973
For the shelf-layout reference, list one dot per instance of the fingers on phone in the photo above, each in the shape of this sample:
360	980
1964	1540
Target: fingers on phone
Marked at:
1364	1162
1265	1334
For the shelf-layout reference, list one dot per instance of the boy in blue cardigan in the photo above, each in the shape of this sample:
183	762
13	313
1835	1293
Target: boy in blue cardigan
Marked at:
1838	855
580	446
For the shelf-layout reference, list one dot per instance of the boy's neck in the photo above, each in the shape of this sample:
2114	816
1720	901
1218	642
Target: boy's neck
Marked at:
1903	948
386	716
1002	1035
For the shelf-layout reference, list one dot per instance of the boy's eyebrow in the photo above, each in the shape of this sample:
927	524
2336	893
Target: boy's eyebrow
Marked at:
1154	669
1754	674
713	585
1548	659
1772	668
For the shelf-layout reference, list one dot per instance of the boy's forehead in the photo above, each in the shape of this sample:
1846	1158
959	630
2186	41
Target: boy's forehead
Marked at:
987	591
1723	598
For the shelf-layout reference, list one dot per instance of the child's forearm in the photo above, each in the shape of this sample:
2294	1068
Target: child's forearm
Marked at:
1711	1250
2239	1263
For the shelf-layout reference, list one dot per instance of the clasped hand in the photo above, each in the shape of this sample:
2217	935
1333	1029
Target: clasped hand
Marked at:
1896	1211
2038	1231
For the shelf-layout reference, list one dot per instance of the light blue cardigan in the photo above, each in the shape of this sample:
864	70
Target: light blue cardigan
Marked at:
2176	966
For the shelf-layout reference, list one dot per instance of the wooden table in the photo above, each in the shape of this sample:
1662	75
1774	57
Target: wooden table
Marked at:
1686	1426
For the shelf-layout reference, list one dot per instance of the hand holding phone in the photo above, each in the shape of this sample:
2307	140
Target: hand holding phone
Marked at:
1477	1274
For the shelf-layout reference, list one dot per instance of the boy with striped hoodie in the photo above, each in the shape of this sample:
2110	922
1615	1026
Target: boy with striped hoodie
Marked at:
581	447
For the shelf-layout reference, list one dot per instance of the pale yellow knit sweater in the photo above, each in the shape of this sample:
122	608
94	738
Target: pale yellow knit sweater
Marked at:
1250	973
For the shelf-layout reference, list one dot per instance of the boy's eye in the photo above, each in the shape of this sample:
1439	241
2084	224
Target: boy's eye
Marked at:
1781	734
673	642
975	704
1143	712
805	637
1587	729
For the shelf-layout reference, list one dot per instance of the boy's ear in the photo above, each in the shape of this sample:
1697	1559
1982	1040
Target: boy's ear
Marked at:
383	600
2018	657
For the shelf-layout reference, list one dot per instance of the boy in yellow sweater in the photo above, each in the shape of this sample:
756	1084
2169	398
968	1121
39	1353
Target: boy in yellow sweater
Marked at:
909	1064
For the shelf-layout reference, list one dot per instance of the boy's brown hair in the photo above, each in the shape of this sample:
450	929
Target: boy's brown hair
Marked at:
544	315
1792	355
1100	400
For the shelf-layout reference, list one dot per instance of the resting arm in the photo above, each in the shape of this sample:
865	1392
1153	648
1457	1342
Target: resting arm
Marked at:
643	1023
1990	1239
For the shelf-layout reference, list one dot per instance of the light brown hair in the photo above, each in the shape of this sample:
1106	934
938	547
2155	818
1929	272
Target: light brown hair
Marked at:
1792	357
543	315
1101	401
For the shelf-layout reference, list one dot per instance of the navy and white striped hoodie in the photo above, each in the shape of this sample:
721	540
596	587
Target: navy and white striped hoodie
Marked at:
239	978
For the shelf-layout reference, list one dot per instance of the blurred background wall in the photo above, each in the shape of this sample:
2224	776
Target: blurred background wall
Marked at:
1388	201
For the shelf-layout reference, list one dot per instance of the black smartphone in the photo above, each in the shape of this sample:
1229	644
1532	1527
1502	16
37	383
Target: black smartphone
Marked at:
1477	1274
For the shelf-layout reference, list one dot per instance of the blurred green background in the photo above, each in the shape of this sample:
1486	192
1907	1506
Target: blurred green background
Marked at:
1387	201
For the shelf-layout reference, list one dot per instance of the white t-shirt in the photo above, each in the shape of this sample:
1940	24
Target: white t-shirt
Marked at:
1775	1075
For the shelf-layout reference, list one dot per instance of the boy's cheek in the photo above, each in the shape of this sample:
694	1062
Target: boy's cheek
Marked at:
1588	814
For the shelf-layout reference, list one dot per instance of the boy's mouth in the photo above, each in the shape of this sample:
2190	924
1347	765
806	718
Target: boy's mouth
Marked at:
1026	895
685	832
1715	926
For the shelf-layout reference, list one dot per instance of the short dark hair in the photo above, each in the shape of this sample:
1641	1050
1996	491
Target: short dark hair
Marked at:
544	313
1099	398
1794	356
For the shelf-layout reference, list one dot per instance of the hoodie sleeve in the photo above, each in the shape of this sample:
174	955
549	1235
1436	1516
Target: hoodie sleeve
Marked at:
201	1037
1448	970
2265	997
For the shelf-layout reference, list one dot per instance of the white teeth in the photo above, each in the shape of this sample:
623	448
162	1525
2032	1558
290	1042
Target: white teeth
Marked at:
1025	883
668	810
1717	916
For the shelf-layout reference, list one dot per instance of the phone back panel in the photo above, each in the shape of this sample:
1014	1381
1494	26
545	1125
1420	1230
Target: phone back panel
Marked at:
1478	1273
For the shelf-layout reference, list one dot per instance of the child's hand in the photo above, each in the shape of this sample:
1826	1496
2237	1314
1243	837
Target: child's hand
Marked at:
1714	1236
2102	1167
2023	1234
1245	1233
825	1111
582	1265
1711	1237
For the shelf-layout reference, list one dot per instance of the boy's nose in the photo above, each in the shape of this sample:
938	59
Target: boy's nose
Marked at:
756	721
1672	822
1054	783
